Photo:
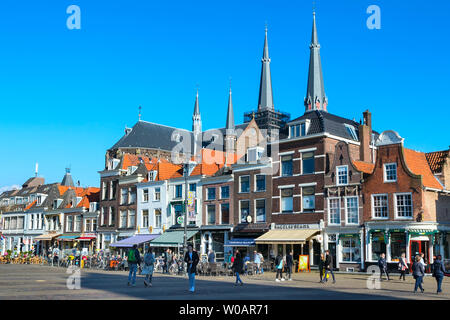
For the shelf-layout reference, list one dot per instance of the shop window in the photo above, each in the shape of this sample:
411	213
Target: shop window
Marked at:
334	210
286	165
351	249
308	162
398	245
287	200
378	245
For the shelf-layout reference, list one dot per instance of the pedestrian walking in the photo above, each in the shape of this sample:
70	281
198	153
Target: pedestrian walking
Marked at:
211	256
382	264
238	267
192	259
257	261
289	265
169	260
418	273
439	272
149	265
328	266
321	266
279	267
133	258
402	266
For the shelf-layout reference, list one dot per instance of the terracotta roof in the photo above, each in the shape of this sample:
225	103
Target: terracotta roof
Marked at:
417	163
437	159
365	167
213	161
30	205
134	160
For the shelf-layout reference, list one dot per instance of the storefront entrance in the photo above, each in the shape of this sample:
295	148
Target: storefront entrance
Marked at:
417	247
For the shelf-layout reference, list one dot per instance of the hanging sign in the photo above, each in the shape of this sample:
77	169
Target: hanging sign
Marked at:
191	206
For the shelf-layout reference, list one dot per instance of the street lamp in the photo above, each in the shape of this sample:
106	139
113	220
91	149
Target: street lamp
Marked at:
185	173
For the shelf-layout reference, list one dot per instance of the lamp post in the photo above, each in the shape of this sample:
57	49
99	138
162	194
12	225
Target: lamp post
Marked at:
185	173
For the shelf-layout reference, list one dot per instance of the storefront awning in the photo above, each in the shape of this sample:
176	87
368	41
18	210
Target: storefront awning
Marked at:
243	242
48	236
68	237
172	238
287	236
86	238
422	232
135	240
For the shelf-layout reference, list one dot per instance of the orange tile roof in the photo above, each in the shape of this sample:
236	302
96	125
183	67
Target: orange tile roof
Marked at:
417	163
134	160
437	159
30	205
362	166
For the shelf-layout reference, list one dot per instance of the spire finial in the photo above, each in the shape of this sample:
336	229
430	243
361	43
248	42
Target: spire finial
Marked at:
231	81
314	7
140	109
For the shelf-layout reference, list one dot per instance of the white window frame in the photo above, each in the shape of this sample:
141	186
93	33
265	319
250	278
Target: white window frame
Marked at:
240	209
160	216
143	195
221	192
148	218
220	216
240	184
265	182
339	211
155	193
396	209
301	162
207	193
372	196
352	131
265	210
346	210
337	175
207	214
385	180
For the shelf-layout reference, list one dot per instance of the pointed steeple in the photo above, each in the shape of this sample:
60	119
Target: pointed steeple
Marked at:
67	180
196	106
265	86
197	127
230	113
315	94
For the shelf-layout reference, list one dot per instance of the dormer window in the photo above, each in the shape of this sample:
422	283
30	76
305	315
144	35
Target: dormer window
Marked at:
255	154
342	175
131	170
351	131
112	164
152	175
390	172
298	130
56	203
93	206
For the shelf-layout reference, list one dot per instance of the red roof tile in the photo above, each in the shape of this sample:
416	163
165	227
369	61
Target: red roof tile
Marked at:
417	163
362	166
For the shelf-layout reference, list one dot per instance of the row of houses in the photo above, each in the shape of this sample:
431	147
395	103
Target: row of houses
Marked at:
272	184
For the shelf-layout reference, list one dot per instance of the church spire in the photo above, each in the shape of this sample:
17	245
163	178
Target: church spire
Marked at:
315	94
230	113
265	86
196	106
197	126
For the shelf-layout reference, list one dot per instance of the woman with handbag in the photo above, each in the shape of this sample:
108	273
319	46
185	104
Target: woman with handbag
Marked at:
149	262
402	266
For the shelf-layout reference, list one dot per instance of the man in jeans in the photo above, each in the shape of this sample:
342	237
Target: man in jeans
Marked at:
134	258
382	264
328	266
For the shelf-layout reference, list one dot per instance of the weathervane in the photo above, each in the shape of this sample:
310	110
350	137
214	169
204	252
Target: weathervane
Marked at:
140	109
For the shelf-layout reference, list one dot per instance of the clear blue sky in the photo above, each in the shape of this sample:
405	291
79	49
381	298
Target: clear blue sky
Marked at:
66	95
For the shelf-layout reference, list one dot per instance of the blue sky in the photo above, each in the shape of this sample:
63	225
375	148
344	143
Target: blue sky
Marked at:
66	95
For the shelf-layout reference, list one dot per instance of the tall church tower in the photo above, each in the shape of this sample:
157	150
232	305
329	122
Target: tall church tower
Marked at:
315	93
197	127
266	117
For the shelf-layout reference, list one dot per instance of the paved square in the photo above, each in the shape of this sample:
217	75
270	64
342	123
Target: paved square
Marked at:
45	282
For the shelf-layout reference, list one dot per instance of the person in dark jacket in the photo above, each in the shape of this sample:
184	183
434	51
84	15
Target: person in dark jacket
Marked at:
238	267
192	259
328	266
289	265
321	266
211	256
418	273
382	264
439	272
134	259
402	266
279	263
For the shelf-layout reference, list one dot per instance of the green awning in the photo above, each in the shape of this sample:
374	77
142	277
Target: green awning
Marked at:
172	238
69	237
422	232
396	230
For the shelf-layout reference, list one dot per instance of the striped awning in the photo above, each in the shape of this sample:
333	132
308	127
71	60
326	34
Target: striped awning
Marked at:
291	236
47	236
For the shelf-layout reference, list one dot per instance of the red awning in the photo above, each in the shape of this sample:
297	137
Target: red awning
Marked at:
86	238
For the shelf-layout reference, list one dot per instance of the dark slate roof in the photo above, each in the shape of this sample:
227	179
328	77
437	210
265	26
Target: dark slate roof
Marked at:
155	136
151	136
437	159
322	121
67	180
33	182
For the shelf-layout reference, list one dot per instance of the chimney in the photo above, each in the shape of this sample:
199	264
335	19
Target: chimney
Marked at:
365	137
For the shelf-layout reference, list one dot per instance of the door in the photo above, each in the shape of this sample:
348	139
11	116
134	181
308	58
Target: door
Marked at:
418	247
332	248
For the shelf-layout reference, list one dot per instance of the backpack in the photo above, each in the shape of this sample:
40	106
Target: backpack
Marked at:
131	256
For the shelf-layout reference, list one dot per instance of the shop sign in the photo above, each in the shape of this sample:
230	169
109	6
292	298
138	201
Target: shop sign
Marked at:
107	237
303	263
296	226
